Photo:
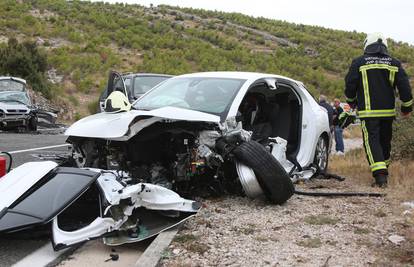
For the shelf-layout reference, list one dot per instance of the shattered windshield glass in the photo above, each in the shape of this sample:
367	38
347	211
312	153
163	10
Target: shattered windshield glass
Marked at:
14	97
10	85
210	95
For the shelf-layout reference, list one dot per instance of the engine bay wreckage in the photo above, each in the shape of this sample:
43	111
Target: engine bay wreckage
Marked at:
133	174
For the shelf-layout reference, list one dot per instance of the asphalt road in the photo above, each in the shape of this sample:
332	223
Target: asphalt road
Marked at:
14	247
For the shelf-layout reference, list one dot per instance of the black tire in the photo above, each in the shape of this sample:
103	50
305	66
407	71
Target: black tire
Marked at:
321	158
32	125
271	176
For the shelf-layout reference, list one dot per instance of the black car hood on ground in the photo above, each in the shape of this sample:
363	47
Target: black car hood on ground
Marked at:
40	202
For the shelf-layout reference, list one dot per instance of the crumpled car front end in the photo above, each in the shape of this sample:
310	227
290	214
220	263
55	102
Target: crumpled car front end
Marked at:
128	213
189	152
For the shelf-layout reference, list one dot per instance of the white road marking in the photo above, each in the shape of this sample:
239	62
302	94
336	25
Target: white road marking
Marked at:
40	257
37	148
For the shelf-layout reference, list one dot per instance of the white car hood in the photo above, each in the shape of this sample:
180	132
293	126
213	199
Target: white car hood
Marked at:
117	125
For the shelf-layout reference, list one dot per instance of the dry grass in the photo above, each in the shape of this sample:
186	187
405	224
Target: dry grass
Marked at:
354	166
353	131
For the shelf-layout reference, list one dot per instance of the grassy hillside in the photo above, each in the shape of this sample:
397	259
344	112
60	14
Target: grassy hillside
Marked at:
85	40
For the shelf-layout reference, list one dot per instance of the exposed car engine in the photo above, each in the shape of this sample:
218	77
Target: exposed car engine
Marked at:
189	158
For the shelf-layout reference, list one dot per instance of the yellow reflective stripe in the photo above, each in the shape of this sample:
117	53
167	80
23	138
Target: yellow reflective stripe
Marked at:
366	143
376	113
378	166
391	69
387	162
366	89
407	104
379	66
392	77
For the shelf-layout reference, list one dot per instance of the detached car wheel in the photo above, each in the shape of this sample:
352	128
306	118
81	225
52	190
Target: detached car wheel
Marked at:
271	176
321	155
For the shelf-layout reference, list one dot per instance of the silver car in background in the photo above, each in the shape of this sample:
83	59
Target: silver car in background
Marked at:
16	108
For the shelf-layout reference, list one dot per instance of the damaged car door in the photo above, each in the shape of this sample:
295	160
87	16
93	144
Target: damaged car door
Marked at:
36	192
129	212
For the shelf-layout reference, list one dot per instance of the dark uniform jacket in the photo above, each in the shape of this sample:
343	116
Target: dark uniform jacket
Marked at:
371	83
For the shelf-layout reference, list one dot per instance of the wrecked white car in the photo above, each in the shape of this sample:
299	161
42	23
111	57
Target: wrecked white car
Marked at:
194	135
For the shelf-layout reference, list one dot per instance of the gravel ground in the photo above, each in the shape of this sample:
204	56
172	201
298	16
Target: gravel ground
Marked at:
306	231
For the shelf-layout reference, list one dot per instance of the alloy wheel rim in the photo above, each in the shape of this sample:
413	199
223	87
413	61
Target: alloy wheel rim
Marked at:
322	155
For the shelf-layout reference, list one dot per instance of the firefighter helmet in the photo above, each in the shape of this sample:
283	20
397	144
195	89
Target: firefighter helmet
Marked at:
117	102
373	38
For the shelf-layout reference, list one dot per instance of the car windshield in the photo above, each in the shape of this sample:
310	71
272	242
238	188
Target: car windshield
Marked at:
11	97
10	85
211	95
143	84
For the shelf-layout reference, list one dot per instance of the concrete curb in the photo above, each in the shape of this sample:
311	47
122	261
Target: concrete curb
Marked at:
152	255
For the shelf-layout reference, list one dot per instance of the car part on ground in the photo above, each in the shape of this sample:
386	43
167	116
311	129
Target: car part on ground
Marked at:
37	192
339	194
122	208
46	118
270	175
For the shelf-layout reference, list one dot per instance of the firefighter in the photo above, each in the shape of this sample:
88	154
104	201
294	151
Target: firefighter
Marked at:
370	87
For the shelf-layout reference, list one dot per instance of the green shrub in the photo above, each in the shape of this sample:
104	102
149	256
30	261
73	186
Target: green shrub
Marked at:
25	60
93	106
403	139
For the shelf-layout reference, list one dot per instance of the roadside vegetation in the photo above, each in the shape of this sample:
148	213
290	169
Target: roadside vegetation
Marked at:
26	61
84	40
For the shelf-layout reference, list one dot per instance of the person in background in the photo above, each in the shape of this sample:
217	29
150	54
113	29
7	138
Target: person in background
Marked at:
323	103
370	86
339	139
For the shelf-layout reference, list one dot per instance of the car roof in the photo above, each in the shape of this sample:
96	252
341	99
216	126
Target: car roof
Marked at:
236	75
146	74
12	78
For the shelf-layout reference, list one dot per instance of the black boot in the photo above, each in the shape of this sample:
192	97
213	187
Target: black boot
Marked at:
381	180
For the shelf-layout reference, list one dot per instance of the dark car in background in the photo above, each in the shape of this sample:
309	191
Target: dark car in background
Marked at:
16	108
136	84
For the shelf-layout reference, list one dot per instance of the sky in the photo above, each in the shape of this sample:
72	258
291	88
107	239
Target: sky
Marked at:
394	18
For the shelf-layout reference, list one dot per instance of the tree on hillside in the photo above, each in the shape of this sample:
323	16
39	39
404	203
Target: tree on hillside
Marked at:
26	61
